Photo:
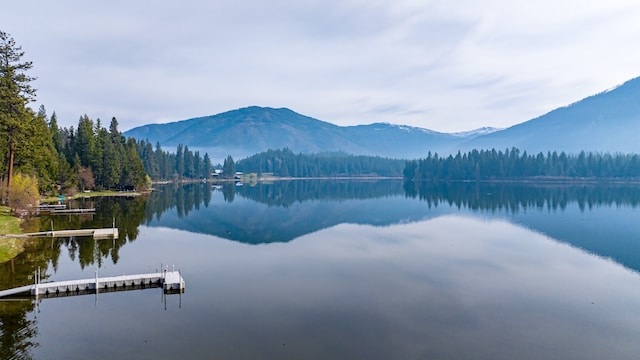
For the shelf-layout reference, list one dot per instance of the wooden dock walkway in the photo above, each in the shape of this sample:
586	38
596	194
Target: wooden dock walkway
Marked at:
62	210
73	211
170	281
49	207
107	233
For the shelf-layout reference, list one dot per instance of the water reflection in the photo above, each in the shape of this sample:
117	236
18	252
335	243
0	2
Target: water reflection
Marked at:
18	330
286	210
520	197
452	287
587	217
437	270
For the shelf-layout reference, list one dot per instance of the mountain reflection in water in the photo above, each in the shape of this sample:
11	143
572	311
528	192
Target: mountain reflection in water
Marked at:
285	210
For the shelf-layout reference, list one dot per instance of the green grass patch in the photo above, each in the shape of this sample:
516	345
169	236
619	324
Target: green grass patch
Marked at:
9	224
10	248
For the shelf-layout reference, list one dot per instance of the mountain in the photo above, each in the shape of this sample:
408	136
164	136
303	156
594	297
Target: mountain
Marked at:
477	132
250	130
390	140
606	122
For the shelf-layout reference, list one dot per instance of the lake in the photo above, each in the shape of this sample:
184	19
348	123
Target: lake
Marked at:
342	270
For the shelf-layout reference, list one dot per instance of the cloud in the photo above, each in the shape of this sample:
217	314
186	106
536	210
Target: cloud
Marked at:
440	65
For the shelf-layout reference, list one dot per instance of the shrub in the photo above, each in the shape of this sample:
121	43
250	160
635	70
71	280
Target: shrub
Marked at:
23	192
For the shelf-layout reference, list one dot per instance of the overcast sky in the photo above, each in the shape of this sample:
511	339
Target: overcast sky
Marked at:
442	65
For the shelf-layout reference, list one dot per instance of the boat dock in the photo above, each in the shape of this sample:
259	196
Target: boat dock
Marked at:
73	211
108	233
49	207
61	209
170	281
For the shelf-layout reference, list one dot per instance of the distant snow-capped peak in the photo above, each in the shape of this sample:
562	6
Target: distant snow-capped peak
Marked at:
477	132
406	128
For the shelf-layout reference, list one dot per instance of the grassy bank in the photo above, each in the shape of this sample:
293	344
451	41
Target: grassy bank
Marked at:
9	224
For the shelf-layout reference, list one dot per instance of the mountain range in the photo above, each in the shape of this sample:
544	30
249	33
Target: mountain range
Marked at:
606	122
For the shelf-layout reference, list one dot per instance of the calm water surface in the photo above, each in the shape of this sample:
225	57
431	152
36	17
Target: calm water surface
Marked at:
344	270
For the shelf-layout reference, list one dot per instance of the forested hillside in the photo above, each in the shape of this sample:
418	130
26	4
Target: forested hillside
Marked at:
165	165
513	164
287	164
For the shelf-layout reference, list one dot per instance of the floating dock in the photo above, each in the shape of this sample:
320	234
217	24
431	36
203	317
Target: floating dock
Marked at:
108	233
62	210
73	211
170	281
50	207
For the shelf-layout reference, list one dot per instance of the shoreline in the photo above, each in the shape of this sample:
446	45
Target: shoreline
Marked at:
530	180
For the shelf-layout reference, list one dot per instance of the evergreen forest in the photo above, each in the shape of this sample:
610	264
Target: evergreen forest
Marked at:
486	165
284	163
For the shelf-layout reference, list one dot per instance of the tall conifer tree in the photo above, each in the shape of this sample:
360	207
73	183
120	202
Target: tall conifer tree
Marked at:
15	94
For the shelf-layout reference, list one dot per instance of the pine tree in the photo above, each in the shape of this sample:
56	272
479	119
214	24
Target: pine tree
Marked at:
189	164
179	169
207	167
149	160
229	168
85	140
133	174
15	94
43	156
